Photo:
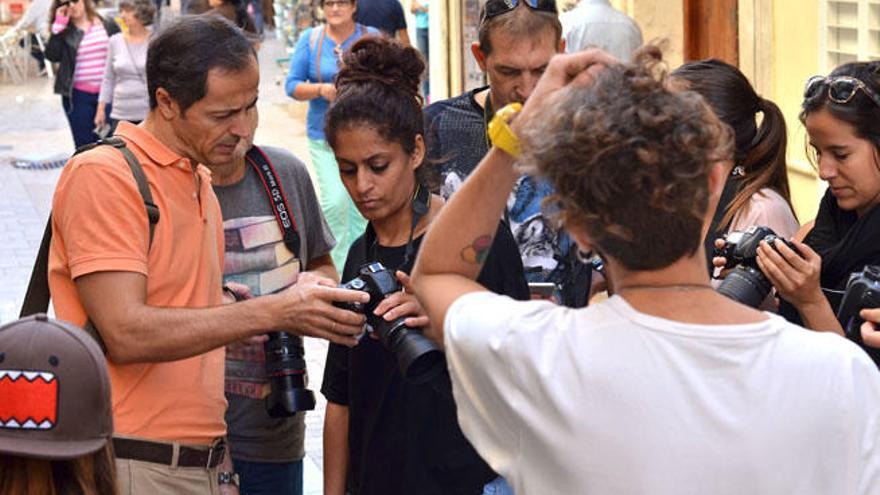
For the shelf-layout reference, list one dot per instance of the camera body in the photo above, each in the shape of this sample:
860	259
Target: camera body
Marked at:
862	291
286	371
418	358
746	283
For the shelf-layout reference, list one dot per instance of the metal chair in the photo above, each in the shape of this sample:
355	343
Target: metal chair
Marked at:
10	56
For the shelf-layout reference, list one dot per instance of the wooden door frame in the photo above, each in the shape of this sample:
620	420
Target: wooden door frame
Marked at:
704	16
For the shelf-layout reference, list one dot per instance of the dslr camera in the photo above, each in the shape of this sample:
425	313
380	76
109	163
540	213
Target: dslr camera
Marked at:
418	358
286	370
862	291
746	283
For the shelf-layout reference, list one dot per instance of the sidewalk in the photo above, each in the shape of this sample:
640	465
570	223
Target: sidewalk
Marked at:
33	124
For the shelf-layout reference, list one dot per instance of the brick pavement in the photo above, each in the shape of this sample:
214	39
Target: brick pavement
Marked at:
32	123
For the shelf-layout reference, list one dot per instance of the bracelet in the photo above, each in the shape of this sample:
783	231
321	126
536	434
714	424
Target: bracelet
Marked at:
235	295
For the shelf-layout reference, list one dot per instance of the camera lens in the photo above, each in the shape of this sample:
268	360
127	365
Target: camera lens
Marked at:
286	370
419	359
746	285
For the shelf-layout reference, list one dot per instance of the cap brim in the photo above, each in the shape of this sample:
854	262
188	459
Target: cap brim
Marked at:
50	449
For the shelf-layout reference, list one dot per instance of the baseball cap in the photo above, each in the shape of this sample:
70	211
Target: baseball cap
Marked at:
54	390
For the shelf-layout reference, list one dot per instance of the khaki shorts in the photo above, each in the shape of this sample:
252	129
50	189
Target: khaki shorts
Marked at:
147	478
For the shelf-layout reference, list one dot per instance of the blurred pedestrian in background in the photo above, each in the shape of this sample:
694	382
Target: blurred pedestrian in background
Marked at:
79	43
125	77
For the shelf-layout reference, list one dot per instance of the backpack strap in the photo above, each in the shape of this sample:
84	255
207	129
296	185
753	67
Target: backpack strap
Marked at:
36	299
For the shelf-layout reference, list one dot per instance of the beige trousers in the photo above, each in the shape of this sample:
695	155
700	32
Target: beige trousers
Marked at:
147	478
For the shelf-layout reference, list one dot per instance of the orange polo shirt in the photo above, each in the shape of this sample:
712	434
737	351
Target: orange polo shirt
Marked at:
99	224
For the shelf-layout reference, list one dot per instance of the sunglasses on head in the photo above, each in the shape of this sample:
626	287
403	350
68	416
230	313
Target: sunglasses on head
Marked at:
841	89
494	8
65	3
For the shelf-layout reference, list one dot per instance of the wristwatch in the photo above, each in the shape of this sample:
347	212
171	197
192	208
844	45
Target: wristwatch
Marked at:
227	478
500	134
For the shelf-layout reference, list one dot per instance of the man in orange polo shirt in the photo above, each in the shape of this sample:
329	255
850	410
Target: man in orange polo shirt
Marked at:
158	306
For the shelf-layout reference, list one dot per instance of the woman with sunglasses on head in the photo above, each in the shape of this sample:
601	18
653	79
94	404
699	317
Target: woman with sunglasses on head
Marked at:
756	192
79	43
385	434
125	79
841	113
313	65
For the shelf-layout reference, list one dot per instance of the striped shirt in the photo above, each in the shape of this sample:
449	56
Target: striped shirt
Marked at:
91	56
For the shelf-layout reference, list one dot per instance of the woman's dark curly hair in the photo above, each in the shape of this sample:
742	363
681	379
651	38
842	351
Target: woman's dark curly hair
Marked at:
378	86
629	157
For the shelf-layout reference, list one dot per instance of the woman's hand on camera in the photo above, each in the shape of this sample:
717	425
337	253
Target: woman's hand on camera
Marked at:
403	303
795	277
871	327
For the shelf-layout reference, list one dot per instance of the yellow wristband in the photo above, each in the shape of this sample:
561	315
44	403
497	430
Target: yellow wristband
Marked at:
501	135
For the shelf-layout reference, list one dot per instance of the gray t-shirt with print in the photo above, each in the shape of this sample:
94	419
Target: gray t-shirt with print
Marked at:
257	257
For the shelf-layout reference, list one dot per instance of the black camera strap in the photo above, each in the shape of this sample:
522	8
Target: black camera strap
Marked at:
420	203
283	214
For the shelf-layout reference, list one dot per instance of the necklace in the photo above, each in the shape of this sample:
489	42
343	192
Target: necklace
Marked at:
681	287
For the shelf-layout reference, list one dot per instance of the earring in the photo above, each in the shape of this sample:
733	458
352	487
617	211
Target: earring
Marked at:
583	257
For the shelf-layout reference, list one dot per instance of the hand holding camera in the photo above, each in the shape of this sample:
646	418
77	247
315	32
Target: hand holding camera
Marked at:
310	310
419	359
871	327
795	275
743	255
403	304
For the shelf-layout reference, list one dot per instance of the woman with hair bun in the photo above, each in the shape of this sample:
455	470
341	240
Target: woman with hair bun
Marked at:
383	434
757	191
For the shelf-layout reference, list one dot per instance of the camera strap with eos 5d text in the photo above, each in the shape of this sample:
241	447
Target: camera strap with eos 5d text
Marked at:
280	208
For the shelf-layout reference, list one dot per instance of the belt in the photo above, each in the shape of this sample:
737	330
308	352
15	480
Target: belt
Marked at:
163	453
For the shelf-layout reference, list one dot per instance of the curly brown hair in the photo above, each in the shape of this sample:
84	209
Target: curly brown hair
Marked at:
629	157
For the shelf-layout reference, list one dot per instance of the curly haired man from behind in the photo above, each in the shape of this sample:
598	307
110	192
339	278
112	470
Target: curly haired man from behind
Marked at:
667	387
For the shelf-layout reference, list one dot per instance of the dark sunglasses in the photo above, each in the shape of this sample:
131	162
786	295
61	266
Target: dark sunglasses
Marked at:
65	3
841	89
494	8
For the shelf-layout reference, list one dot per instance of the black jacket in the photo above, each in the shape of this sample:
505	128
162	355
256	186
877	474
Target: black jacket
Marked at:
62	48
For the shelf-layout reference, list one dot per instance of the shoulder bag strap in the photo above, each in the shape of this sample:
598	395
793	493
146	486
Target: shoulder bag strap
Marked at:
320	33
36	299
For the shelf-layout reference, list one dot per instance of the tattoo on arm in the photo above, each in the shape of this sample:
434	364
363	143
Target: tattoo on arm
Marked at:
477	251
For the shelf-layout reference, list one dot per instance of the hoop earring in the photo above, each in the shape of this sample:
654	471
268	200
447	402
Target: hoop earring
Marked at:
583	258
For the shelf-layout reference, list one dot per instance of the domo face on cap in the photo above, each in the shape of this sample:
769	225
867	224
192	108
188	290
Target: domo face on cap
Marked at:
54	390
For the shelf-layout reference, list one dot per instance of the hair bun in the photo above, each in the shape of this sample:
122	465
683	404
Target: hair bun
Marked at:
382	60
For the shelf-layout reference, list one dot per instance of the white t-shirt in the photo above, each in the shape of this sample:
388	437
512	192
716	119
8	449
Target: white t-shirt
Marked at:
606	400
